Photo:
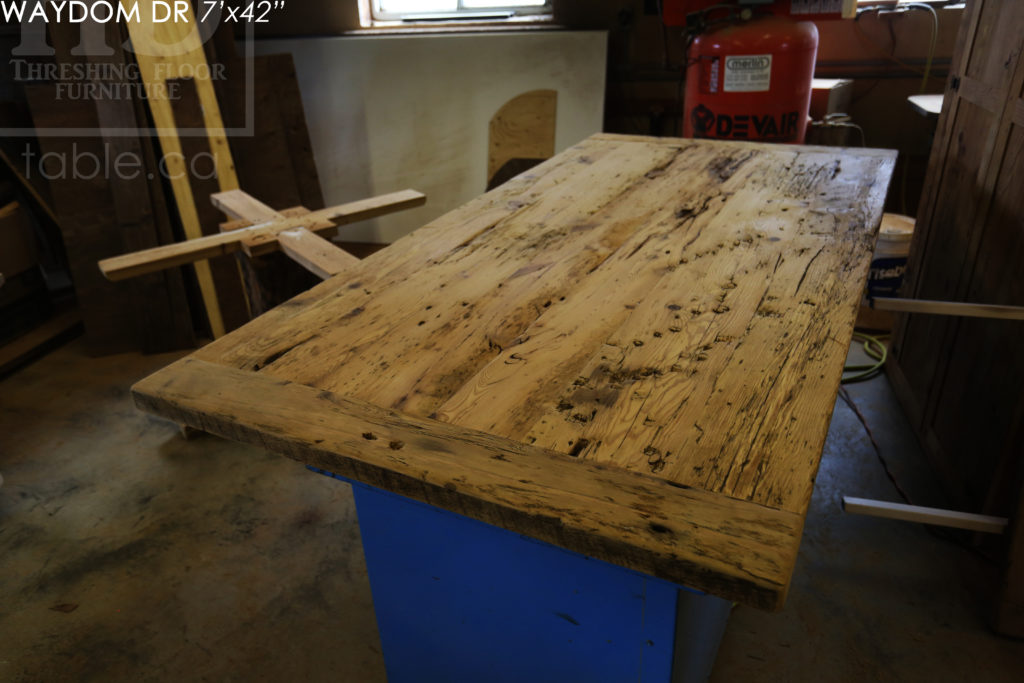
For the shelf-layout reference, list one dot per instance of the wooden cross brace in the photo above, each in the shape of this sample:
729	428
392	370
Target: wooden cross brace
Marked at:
954	308
268	231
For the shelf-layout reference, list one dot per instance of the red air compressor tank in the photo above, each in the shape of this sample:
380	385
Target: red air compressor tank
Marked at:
751	81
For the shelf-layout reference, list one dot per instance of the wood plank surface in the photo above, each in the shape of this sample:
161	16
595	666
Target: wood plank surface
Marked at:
161	305
275	164
243	206
524	128
314	253
199	152
173	50
691	537
96	222
672	310
110	212
274	278
958	378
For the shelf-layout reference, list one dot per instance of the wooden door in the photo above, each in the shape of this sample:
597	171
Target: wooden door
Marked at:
960	379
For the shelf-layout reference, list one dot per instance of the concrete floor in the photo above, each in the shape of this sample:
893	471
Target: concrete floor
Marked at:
128	553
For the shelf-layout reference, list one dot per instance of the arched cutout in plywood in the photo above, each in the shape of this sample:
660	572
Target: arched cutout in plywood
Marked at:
522	134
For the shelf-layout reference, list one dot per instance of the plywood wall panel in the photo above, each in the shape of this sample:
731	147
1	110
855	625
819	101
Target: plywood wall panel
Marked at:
390	112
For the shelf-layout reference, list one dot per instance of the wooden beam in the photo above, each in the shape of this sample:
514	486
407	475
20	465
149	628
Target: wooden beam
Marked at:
243	206
736	549
342	214
923	515
261	238
314	253
949	308
165	51
291	212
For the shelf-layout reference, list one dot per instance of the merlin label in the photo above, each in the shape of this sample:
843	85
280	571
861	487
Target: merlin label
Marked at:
747	73
816	6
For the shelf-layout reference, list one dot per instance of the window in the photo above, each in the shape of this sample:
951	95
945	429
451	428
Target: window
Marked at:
448	10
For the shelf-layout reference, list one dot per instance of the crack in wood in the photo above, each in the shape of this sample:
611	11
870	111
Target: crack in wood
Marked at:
807	268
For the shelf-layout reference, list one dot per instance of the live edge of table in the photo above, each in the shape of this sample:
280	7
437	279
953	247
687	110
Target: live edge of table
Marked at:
631	351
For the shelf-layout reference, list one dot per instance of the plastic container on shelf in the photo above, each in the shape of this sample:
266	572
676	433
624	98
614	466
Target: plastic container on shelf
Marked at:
891	252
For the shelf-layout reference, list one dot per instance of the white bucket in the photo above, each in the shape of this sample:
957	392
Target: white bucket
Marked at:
891	251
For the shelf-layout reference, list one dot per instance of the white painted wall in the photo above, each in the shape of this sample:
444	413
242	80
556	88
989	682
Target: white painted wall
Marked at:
390	112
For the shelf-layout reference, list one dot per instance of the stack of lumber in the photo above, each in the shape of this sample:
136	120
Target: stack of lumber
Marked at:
195	98
103	213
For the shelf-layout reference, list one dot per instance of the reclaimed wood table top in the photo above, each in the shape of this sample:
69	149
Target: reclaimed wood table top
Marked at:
631	351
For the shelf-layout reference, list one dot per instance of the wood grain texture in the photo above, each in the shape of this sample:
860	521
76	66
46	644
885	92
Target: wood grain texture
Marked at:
290	212
110	212
172	50
275	163
957	378
524	128
243	206
670	309
198	151
685	535
314	253
101	217
274	278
